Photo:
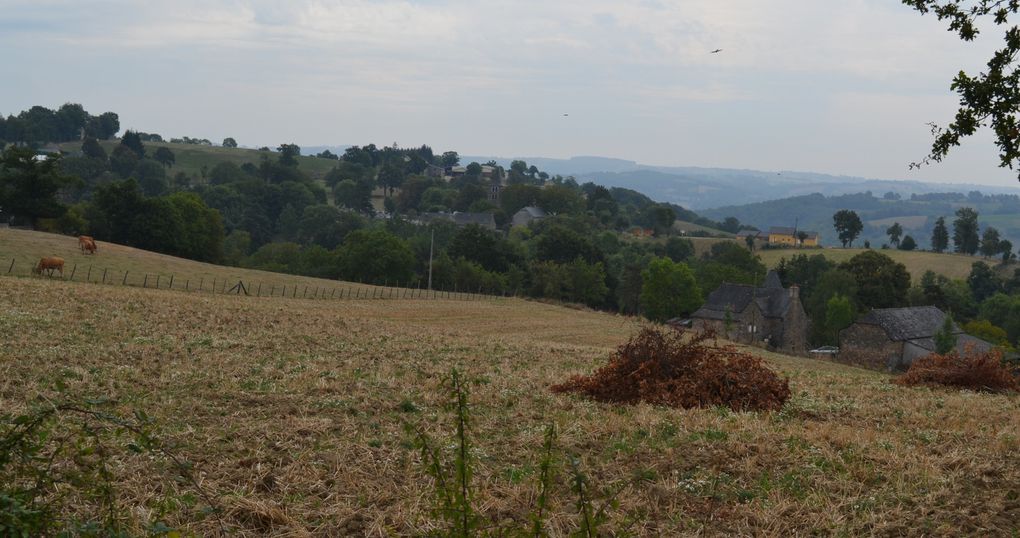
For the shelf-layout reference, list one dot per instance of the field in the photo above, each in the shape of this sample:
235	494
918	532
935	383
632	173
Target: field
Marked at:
292	413
25	248
916	262
193	158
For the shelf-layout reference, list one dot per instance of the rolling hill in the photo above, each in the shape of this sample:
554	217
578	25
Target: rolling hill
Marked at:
956	266
298	418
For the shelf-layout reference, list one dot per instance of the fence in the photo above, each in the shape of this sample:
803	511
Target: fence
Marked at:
241	286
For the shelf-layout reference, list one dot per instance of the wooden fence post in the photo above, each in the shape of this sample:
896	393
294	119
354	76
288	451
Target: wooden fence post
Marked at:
201	281
187	283
258	293
157	281
73	269
171	286
11	268
104	276
146	281
88	276
124	282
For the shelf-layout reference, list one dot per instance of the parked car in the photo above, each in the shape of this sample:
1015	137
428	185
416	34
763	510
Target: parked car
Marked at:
829	351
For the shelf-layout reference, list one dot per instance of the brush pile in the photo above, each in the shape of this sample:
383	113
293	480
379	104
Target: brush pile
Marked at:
676	368
984	372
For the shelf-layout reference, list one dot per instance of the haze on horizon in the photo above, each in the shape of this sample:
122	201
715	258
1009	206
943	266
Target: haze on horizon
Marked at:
841	88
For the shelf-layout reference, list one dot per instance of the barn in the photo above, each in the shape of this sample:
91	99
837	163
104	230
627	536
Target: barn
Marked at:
892	338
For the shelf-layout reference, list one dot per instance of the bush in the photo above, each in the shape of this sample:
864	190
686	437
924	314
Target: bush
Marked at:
983	372
675	369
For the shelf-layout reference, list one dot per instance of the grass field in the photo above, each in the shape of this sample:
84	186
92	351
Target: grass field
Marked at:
192	158
916	262
292	412
26	247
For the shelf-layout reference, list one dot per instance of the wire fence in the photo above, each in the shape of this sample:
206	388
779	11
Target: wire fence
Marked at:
241	286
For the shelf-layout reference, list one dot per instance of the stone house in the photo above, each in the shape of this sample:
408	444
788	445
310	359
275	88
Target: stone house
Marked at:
527	215
892	338
771	314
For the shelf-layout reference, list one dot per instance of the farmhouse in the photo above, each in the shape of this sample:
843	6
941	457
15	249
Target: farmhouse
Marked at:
891	338
461	219
527	215
783	235
770	314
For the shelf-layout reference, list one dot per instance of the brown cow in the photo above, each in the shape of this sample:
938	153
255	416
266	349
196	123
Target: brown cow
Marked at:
49	264
86	243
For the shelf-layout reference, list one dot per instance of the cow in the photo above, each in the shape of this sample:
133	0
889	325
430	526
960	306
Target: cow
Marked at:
49	264
86	243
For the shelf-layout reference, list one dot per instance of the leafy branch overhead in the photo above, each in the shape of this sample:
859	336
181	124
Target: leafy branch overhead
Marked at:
988	99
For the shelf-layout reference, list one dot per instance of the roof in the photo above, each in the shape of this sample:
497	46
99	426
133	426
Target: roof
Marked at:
782	230
481	219
533	212
964	342
910	323
772	299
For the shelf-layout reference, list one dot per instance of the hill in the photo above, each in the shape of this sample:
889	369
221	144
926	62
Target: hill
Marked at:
293	414
917	262
196	160
136	267
916	214
703	187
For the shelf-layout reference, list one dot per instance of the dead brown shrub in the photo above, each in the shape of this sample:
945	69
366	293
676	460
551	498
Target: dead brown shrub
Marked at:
680	369
974	371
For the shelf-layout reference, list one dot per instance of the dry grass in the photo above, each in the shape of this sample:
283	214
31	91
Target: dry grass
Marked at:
26	247
916	262
291	411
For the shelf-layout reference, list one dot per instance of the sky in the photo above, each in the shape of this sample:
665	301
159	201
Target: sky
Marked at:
842	87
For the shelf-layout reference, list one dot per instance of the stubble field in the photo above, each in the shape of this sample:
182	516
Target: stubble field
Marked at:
293	415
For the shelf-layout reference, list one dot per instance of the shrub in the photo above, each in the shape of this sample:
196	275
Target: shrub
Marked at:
978	371
675	369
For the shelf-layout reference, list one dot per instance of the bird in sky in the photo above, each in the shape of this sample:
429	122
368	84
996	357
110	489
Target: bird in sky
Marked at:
716	51
566	114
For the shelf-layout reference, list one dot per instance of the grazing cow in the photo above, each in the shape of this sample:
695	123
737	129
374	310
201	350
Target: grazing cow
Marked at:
49	264
86	243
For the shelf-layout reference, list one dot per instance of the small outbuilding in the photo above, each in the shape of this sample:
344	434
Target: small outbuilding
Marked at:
892	338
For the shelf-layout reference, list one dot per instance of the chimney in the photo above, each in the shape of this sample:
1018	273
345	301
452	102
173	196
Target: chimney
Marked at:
794	291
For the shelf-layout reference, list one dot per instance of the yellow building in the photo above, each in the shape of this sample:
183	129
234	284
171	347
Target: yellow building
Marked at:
782	235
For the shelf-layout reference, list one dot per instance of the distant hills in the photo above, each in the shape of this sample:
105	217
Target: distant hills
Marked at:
702	188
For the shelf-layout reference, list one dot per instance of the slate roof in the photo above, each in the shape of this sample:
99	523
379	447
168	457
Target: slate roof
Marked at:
486	220
772	299
910	323
782	230
533	212
963	343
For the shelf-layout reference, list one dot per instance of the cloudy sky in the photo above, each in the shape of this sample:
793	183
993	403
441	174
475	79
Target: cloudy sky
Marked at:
842	87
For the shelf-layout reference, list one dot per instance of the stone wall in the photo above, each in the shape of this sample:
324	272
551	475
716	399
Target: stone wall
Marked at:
868	345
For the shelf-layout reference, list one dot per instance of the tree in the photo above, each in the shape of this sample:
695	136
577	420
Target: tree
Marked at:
983	281
989	99
881	281
354	195
560	244
679	249
151	177
940	236
991	244
749	241
289	154
965	231
894	232
90	148
908	243
839	314
659	217
123	161
628	291
1006	249
229	143
133	142
483	247
164	156
668	290
801	237
848	226
449	158
945	338
29	188
377	257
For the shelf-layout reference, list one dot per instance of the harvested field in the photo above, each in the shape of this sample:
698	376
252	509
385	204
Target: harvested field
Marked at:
292	413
